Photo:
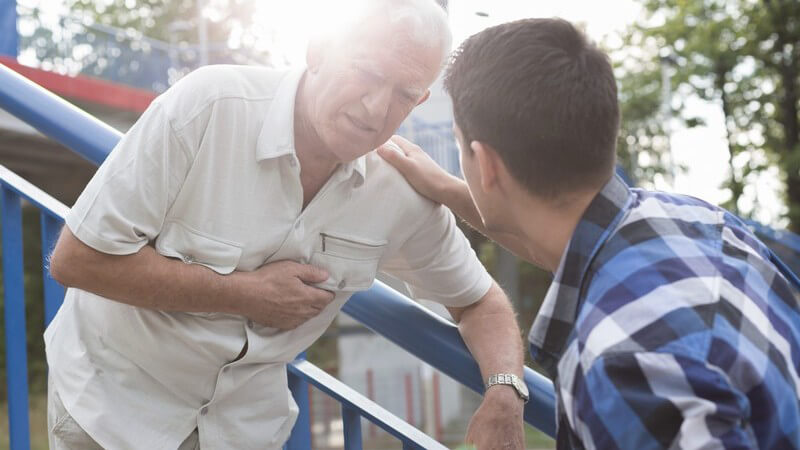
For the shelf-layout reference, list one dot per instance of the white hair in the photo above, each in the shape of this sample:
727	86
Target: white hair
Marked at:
424	22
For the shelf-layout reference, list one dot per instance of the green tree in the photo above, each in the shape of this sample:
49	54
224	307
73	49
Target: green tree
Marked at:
743	55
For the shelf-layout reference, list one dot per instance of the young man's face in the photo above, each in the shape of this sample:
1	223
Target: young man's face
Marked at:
361	92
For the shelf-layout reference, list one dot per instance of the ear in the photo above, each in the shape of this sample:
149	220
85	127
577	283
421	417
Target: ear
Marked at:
425	97
489	164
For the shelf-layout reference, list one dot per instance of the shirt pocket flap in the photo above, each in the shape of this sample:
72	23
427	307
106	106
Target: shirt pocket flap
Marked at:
352	263
193	247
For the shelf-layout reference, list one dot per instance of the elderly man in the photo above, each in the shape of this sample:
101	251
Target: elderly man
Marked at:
230	224
667	324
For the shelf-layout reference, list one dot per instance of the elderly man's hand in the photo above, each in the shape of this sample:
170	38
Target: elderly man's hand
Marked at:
419	169
497	424
279	294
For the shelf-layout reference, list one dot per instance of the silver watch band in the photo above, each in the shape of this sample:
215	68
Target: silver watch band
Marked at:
509	379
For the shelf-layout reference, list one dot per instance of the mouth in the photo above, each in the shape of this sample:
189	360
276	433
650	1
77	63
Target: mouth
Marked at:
362	127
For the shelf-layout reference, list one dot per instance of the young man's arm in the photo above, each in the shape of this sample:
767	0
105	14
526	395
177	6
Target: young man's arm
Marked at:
433	182
275	295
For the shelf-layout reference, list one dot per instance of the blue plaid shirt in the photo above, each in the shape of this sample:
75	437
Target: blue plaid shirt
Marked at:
667	326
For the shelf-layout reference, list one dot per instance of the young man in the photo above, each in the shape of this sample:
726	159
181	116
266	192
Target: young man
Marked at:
666	325
227	228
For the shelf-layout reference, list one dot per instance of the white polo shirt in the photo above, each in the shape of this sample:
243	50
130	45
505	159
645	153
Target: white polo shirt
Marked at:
209	175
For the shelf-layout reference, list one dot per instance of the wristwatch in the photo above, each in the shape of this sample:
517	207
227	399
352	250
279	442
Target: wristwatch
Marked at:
511	380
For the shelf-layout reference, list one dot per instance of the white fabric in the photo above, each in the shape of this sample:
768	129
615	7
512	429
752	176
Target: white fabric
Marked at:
209	175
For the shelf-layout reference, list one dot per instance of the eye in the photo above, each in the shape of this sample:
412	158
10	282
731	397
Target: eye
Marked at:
366	73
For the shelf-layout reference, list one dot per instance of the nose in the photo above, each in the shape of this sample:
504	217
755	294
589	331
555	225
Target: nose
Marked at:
376	102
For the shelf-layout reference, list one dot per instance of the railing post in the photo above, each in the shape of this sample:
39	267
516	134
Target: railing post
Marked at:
300	439
53	292
14	302
351	420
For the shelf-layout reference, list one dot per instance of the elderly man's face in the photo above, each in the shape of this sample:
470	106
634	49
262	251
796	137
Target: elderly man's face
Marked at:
360	91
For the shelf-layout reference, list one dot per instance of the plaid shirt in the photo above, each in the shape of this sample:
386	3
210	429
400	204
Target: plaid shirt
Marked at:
667	326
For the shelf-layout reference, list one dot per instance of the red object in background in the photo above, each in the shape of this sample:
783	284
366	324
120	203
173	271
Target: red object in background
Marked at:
371	396
437	407
409	400
85	89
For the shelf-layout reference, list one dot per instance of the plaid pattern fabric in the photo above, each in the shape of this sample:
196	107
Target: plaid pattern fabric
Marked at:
667	326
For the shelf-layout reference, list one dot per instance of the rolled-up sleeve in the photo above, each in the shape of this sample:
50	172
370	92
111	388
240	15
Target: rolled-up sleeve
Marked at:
124	205
438	263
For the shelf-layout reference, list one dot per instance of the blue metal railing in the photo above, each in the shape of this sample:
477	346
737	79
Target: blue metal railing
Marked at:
12	190
432	339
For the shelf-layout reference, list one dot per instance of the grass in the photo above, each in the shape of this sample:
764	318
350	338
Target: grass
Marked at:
38	423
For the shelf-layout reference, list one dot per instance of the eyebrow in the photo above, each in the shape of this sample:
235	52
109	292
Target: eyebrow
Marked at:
375	71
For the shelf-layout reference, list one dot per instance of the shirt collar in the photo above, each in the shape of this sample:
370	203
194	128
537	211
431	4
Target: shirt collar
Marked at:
357	166
276	138
277	133
556	319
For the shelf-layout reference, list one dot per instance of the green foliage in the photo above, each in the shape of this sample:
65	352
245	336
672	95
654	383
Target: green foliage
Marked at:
742	55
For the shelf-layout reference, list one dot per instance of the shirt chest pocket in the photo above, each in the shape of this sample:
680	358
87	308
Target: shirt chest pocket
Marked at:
176	240
351	262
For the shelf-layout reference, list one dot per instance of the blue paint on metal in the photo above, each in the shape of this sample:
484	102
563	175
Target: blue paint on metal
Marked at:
56	118
438	342
9	37
53	292
16	338
300	439
351	420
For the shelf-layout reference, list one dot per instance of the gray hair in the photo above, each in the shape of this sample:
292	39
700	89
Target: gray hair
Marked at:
423	21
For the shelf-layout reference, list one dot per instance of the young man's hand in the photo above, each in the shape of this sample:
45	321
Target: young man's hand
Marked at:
422	172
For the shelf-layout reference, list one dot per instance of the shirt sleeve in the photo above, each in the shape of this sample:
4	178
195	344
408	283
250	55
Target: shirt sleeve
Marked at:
438	263
124	205
656	400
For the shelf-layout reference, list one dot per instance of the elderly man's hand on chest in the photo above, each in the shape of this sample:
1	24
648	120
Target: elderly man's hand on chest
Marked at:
280	295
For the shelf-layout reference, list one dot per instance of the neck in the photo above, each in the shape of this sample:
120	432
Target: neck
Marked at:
315	158
547	226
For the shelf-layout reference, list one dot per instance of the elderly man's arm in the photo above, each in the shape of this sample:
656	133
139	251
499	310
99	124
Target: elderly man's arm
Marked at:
490	330
275	295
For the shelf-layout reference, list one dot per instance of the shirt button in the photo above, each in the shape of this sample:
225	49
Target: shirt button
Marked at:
293	162
204	410
250	324
188	259
298	224
342	284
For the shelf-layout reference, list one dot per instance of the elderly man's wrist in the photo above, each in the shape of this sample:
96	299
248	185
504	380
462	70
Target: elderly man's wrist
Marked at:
505	395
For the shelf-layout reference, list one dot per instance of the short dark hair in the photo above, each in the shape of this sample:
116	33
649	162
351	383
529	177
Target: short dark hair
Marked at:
544	98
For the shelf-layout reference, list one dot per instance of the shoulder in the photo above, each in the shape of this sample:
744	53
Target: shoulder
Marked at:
656	279
390	186
208	85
